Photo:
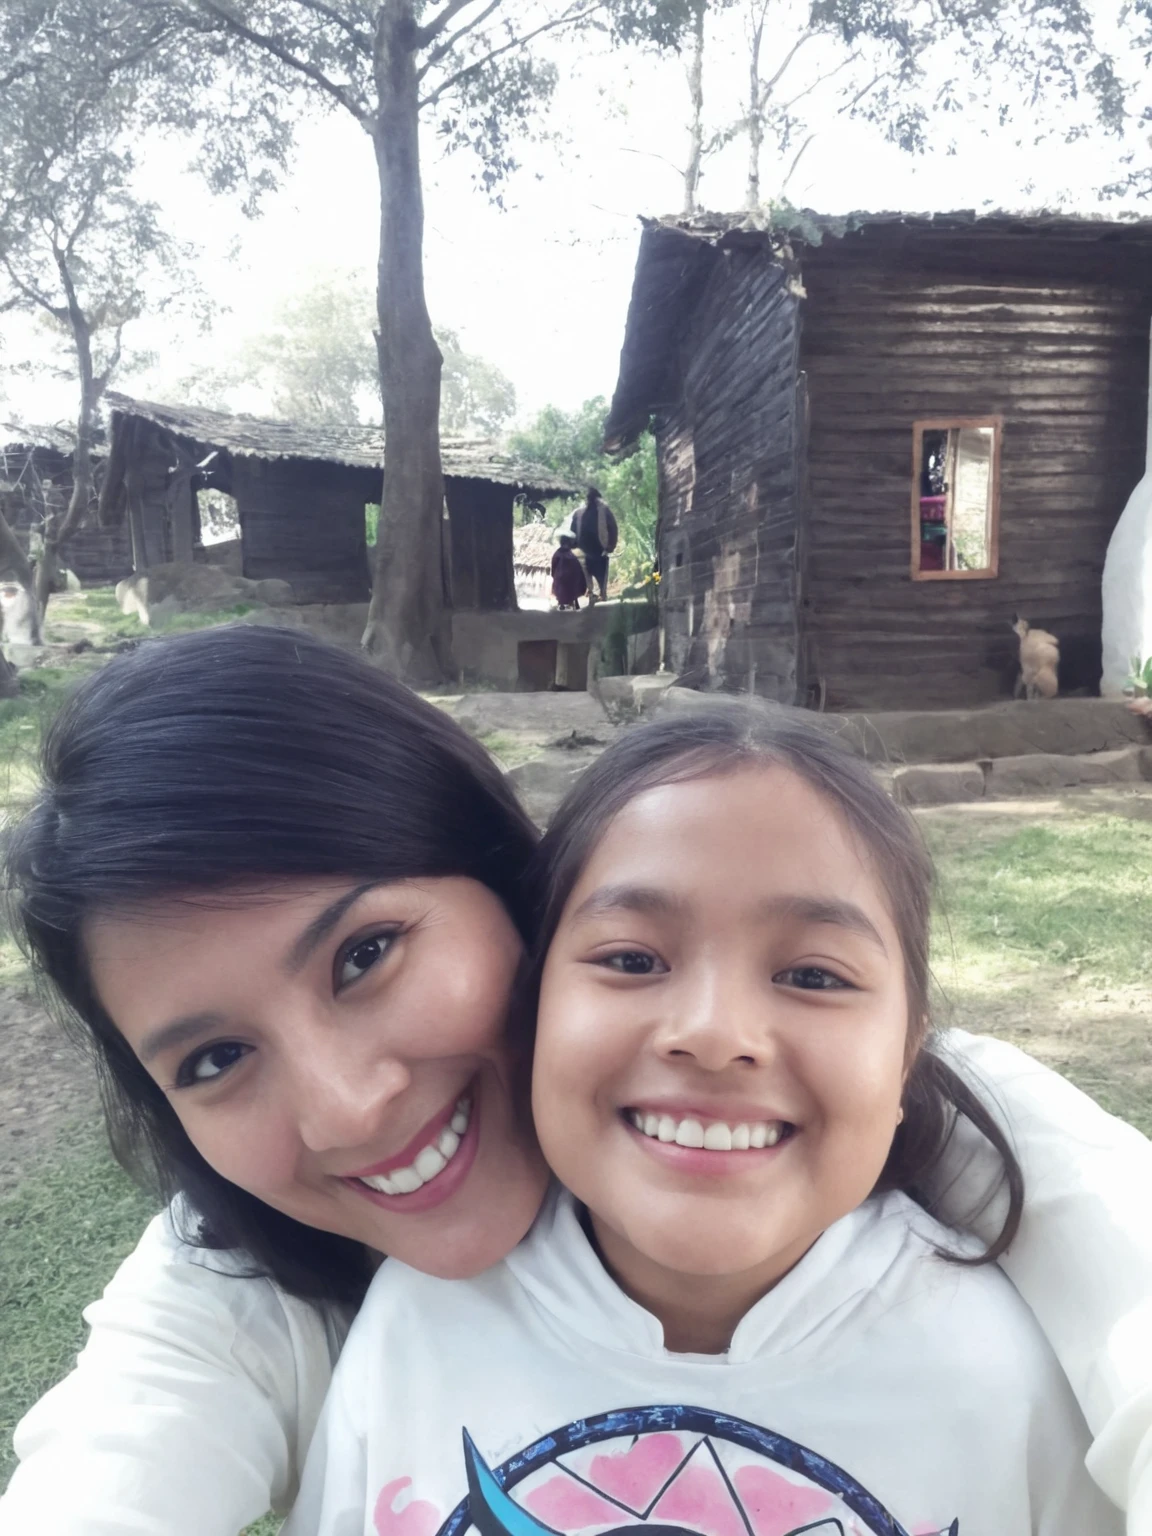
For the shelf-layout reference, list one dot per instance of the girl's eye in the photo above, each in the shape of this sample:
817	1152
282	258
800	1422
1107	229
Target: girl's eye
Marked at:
212	1062
362	956
631	962
811	978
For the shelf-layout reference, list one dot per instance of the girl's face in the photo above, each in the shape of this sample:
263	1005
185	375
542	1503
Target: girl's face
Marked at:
721	1044
337	1050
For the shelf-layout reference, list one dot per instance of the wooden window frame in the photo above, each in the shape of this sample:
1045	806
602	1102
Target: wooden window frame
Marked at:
945	424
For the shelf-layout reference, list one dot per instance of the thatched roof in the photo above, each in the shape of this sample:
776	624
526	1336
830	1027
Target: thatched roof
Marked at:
256	437
24	438
677	256
533	545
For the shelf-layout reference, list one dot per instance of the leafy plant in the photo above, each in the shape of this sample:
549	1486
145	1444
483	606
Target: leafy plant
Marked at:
1140	677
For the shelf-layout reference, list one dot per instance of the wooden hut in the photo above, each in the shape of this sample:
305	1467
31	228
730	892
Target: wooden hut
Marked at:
35	480
301	493
882	437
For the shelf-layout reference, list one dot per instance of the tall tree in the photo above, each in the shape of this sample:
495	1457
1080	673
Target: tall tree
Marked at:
899	65
77	244
473	72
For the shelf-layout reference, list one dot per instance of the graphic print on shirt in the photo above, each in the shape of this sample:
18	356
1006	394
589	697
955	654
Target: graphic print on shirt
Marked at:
656	1471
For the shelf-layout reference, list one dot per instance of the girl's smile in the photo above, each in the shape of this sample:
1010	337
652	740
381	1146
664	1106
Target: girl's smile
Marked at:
722	1037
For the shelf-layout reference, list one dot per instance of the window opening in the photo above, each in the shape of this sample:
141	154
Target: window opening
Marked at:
956	498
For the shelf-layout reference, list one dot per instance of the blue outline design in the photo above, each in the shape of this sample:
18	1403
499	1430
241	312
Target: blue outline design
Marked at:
642	1421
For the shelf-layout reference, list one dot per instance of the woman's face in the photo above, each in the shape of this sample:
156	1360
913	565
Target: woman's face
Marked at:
337	1050
720	1053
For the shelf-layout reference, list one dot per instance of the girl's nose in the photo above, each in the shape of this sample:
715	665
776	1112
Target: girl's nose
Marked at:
344	1105
716	1023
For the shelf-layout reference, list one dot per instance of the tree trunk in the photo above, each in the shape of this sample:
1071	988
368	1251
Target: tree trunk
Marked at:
13	558
696	96
407	618
755	119
58	527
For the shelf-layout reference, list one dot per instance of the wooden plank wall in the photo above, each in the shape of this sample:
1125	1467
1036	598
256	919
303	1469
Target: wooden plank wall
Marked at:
728	486
98	556
480	530
1049	332
303	522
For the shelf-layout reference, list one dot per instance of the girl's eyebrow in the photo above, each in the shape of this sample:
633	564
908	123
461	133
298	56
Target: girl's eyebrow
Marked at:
176	1032
626	898
816	909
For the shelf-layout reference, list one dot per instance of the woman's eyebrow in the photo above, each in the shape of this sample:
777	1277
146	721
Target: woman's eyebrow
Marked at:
181	1031
626	898
322	925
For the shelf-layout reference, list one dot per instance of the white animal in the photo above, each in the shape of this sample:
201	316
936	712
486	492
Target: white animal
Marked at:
1039	662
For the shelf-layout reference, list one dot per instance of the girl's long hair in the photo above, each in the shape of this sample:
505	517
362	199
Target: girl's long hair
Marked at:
198	763
721	739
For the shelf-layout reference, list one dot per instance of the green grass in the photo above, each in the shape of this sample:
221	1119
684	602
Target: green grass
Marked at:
62	1234
1044	936
509	751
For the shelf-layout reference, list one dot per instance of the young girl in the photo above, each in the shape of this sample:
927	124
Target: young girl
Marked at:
738	1319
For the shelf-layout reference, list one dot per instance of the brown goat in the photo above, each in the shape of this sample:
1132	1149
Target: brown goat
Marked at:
1039	662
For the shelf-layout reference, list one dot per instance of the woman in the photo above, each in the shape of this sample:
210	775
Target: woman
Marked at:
286	901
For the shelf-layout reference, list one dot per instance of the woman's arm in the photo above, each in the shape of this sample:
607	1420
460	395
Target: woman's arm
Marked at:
190	1408
1083	1256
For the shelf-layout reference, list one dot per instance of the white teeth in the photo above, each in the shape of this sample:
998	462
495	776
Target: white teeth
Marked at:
715	1137
428	1162
689	1133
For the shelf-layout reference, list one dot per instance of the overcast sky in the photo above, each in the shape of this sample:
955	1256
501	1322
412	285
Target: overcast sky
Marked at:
542	288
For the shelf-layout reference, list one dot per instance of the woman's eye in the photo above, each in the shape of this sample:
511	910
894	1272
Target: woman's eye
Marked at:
212	1062
631	962
811	978
361	957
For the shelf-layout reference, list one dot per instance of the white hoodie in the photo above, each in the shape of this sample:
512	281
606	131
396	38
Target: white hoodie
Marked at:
877	1390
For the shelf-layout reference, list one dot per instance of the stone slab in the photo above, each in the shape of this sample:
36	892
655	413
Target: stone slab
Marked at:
938	783
1044	726
1038	772
632	698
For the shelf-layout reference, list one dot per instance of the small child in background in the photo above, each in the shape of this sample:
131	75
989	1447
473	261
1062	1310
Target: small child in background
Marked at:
569	582
735	1319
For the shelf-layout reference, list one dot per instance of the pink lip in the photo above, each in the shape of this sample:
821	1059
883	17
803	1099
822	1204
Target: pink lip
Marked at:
437	1190
697	1162
423	1138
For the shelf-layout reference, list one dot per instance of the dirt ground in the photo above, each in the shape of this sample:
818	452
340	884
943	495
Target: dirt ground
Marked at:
1091	1032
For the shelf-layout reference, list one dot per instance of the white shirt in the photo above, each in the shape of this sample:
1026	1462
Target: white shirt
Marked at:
193	1402
877	1389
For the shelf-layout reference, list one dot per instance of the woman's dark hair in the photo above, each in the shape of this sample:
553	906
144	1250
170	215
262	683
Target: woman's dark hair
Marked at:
720	739
197	763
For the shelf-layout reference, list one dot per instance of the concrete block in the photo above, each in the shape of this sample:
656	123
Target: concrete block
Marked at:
938	783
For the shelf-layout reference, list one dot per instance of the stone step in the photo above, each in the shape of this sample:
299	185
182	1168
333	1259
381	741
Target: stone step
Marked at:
1010	730
1005	778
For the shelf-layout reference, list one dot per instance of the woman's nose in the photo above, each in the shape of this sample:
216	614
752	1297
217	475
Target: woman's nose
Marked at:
343	1103
716	1022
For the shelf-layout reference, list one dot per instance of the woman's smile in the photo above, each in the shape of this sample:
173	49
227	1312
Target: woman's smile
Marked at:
432	1166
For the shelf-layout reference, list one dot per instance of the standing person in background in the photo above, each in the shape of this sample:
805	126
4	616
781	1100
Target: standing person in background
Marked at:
594	529
569	583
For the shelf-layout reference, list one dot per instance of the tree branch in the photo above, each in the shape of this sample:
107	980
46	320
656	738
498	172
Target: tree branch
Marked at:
770	85
429	33
569	19
331	88
362	40
818	82
449	43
